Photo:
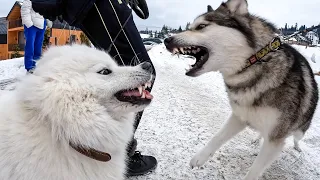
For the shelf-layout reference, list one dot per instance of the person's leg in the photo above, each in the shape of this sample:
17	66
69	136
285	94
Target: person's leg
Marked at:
30	34
132	51
38	44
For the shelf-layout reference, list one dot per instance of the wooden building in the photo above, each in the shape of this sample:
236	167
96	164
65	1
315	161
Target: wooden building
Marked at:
60	33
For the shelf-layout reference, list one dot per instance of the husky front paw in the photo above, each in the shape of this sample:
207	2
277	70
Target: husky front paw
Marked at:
199	159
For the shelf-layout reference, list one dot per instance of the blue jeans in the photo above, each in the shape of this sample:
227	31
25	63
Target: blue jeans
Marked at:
33	48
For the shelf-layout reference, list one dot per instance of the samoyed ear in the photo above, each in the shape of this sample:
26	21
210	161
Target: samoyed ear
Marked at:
210	9
239	7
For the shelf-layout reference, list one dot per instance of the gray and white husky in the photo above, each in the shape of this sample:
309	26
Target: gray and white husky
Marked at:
270	85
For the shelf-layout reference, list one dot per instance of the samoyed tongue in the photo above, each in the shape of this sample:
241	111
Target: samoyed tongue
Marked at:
145	94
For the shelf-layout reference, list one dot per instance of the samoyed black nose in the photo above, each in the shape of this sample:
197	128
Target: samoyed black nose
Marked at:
147	66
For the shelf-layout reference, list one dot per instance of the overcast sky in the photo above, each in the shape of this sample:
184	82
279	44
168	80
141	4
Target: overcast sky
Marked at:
178	12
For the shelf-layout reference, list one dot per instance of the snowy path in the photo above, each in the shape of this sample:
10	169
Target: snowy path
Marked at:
185	114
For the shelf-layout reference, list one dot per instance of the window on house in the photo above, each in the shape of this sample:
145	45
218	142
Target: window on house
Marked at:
73	39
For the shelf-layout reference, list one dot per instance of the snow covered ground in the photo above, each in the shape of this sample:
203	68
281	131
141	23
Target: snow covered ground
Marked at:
185	114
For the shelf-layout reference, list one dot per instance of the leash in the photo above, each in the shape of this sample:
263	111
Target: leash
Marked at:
90	152
121	30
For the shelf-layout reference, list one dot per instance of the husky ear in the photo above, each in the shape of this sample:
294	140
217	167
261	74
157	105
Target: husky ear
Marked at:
210	9
237	6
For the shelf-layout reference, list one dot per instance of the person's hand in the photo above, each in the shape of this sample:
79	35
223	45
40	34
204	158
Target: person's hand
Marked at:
140	7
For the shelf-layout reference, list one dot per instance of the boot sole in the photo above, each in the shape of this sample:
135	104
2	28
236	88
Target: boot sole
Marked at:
142	173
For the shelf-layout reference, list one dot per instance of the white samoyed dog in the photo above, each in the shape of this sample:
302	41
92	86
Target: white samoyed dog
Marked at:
72	118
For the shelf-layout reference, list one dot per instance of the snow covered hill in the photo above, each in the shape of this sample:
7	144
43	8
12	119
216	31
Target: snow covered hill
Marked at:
185	114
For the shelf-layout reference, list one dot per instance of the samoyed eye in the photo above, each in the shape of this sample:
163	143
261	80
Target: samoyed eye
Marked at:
105	71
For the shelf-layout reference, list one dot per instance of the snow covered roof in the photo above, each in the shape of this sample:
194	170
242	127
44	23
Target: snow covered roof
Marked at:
292	39
301	37
312	33
19	2
144	35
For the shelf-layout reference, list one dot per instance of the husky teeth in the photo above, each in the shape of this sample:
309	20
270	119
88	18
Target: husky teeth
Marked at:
181	49
202	57
143	94
194	51
191	62
198	50
175	51
140	89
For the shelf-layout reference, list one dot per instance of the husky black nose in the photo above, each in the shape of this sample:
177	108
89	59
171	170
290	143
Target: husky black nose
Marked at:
168	40
147	66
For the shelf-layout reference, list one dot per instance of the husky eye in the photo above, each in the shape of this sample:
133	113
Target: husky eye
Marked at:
105	71
201	26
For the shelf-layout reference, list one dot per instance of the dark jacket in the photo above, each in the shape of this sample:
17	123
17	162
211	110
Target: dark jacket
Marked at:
72	11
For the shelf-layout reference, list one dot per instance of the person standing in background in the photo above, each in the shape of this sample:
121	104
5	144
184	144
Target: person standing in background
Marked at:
34	29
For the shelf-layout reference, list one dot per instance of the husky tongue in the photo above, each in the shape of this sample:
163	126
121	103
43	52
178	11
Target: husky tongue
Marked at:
145	94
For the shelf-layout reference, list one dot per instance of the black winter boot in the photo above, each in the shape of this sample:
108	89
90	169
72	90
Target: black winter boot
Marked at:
139	164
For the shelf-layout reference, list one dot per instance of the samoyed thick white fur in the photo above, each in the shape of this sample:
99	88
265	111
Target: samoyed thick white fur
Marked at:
76	95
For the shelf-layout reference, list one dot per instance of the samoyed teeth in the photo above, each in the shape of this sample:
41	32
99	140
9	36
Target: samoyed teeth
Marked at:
143	94
140	89
147	85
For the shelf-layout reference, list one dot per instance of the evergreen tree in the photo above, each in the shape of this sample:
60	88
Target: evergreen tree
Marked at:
164	29
16	53
151	34
302	28
180	29
84	39
46	39
286	27
187	26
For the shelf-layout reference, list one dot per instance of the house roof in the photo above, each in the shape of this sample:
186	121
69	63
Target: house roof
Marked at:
56	24
3	25
312	33
17	3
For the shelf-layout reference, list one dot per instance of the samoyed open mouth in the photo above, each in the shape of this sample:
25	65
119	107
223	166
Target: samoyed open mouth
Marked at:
138	95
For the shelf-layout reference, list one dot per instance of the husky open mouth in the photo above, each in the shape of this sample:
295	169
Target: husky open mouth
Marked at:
138	95
199	52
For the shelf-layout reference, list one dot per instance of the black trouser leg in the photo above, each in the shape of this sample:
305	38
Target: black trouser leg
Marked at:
94	28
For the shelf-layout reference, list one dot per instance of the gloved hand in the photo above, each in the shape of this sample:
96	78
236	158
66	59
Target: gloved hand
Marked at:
140	7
